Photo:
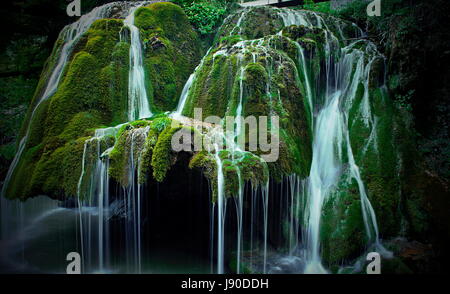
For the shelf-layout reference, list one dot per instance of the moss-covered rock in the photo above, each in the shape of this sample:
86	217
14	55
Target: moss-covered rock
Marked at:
342	231
162	157
83	102
252	23
172	51
261	80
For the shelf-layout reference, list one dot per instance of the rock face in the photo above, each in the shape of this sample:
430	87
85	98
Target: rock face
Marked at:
293	65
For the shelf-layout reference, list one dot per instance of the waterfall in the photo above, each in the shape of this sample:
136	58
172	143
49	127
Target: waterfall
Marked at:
138	104
239	107
265	199
240	219
331	129
221	212
323	175
187	86
96	201
184	94
99	194
93	190
303	66
133	199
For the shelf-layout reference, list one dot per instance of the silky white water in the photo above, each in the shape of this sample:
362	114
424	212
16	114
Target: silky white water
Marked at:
323	175
221	212
187	87
99	195
345	69
138	104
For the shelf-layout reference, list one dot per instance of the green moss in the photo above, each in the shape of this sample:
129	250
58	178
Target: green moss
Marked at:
46	73
258	22
82	121
375	153
114	83
214	86
230	174
57	172
253	169
304	34
157	126
147	153
206	163
229	40
172	50
342	231
162	157
19	186
118	168
219	87
37	125
255	75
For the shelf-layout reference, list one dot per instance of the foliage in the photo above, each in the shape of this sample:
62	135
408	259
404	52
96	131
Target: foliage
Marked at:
205	15
323	7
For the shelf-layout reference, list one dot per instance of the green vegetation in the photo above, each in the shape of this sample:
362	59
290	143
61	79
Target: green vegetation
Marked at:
172	51
323	7
162	153
342	233
206	15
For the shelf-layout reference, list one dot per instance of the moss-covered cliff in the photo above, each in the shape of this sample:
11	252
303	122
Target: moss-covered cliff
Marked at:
92	93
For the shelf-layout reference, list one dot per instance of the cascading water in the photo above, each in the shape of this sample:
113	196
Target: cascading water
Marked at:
221	212
323	175
138	108
331	131
93	191
185	92
328	109
94	241
138	104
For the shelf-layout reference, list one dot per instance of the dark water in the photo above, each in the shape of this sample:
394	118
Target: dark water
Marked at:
37	235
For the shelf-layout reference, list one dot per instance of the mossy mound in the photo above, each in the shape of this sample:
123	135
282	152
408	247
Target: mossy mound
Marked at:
262	80
89	96
342	231
252	23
